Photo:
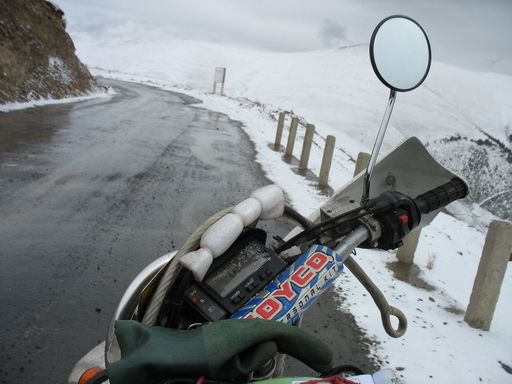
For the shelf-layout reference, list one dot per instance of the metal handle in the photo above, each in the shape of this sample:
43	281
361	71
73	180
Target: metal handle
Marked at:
386	310
386	321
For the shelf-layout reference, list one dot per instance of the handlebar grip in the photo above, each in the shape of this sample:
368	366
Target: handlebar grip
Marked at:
441	196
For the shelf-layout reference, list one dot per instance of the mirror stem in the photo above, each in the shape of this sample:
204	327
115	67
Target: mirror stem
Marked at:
376	147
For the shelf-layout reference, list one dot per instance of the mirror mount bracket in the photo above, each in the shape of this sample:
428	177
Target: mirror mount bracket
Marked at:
377	145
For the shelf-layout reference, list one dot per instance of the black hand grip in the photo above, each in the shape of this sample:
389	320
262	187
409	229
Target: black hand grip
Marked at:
441	196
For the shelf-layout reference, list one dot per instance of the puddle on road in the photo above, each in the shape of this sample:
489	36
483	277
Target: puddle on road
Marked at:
409	273
213	148
455	310
30	127
324	190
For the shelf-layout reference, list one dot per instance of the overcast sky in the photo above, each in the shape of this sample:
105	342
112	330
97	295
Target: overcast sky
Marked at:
473	34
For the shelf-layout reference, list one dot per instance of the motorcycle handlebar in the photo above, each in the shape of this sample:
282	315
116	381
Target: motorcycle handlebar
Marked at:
441	196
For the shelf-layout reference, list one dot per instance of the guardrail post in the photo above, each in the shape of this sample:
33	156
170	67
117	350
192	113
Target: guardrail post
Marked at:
279	133
490	275
362	162
330	141
291	136
406	252
306	147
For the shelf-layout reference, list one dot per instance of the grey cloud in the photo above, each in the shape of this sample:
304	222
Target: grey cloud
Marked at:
332	33
473	34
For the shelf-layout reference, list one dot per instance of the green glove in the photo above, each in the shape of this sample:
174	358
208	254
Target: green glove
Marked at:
221	350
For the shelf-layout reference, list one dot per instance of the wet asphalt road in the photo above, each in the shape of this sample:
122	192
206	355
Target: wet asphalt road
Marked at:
92	192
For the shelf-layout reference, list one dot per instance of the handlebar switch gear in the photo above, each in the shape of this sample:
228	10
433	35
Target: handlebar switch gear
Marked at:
395	226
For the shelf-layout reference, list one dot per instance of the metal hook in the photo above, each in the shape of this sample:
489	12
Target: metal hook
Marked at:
386	321
386	310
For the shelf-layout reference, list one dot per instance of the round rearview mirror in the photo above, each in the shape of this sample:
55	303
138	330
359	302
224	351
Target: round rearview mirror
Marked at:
400	53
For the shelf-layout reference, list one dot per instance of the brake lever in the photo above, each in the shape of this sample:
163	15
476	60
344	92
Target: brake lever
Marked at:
386	310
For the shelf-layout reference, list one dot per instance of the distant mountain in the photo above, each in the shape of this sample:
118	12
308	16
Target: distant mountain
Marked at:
487	167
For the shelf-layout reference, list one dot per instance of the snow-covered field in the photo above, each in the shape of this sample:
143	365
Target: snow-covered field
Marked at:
337	91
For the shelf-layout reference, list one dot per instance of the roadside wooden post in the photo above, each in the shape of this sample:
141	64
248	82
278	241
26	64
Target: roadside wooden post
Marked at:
363	159
323	178
406	252
306	146
490	275
279	133
291	136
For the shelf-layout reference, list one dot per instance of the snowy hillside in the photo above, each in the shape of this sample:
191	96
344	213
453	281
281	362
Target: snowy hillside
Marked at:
465	119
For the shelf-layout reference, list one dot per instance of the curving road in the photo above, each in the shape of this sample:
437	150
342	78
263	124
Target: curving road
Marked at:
90	193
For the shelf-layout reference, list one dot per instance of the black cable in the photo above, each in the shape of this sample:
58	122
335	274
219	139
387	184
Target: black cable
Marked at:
173	319
303	221
317	229
338	223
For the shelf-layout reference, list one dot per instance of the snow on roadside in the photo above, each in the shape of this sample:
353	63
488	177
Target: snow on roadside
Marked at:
40	102
336	91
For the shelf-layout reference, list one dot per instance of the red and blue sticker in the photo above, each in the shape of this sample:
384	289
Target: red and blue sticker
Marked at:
296	288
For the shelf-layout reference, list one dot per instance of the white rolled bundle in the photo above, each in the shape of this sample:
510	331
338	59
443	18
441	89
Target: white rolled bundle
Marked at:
248	210
198	262
265	203
271	198
219	237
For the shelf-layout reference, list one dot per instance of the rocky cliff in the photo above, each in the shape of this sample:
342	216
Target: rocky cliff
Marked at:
37	56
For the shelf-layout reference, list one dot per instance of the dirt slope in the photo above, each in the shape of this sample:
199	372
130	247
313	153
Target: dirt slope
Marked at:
37	56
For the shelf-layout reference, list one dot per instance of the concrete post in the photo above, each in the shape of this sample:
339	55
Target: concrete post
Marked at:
406	252
279	133
306	147
490	275
291	136
362	162
323	178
